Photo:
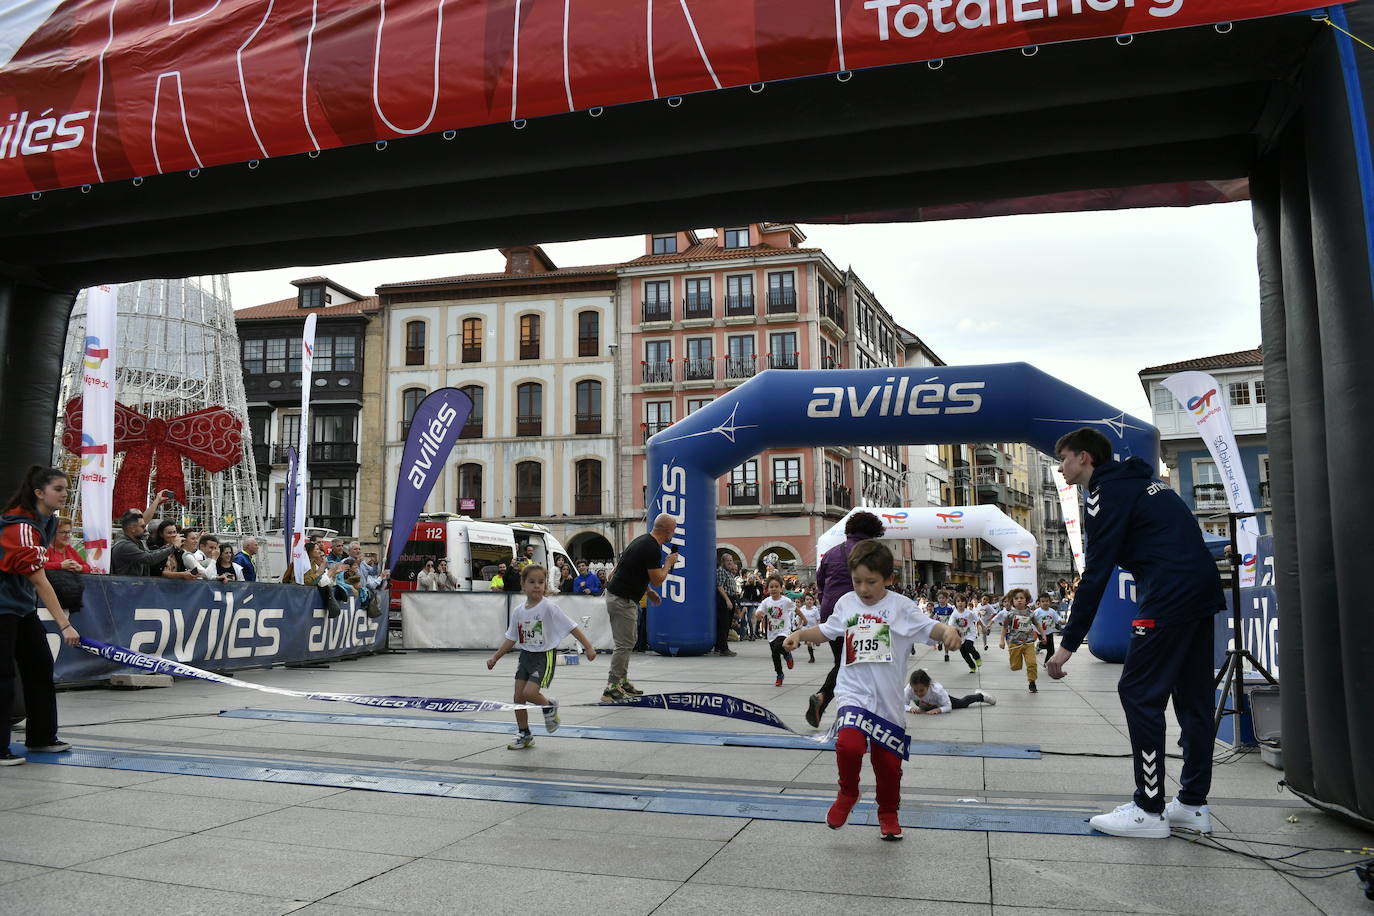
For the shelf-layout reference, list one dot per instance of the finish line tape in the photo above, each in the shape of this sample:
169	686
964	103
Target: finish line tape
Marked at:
711	704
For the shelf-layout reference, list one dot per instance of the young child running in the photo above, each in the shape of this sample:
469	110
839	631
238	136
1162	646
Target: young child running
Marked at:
965	620
1047	618
778	612
537	627
929	698
808	615
942	611
879	627
1023	633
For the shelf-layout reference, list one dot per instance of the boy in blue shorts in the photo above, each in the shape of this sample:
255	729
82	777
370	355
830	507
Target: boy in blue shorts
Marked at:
537	627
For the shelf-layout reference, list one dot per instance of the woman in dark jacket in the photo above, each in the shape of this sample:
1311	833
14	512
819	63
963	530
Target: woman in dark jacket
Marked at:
833	581
26	530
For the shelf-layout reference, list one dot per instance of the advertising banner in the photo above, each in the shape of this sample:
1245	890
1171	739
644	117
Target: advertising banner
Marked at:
434	428
299	482
1259	614
288	527
1205	401
1073	521
97	90
220	626
98	425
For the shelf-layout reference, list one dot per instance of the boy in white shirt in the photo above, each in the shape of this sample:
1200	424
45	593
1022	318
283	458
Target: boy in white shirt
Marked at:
987	609
777	611
965	620
537	627
930	698
879	628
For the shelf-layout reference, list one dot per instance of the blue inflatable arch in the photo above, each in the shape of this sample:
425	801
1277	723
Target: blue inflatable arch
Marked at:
779	408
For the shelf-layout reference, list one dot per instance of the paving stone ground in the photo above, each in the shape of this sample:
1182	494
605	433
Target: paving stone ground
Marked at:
78	840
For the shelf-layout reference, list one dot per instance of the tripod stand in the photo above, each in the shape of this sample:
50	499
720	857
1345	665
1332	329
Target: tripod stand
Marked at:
1232	670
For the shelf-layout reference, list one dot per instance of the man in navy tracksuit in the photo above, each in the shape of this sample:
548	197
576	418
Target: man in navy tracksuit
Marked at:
1138	523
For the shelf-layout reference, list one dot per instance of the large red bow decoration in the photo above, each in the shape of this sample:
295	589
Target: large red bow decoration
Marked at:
211	438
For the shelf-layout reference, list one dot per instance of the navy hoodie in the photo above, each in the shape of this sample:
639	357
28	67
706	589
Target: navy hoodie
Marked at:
1138	523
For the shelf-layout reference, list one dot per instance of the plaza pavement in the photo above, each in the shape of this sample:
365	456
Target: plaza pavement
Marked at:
77	840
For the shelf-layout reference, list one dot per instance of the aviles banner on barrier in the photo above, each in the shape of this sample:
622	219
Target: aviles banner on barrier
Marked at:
97	425
1204	399
222	626
1259	614
97	90
434	428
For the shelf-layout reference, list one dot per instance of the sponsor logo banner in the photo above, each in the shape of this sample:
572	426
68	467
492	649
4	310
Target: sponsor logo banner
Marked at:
1073	524
97	90
224	626
1199	394
97	425
434	429
1259	613
889	734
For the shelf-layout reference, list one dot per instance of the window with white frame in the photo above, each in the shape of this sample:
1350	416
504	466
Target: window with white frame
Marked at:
1239	394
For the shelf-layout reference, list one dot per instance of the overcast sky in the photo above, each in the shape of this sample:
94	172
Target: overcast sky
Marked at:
1092	298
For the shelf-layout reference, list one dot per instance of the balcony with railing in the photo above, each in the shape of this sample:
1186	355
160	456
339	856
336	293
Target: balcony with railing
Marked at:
281	454
701	369
782	301
830	310
656	373
987	455
528	506
836	495
744	494
415	356
588	423
340	452
698	306
787	492
587	504
653	429
472	429
784	361
741	366
588	346
472	354
531	425
658	311
275	523
739	306
529	349
1209	496
830	362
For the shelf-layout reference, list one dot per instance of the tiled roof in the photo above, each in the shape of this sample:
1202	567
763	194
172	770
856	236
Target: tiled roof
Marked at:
290	308
564	272
1237	360
708	250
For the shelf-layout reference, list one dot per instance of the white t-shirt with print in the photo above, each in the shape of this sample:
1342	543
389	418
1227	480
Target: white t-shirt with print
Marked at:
1046	618
778	615
878	638
539	628
810	615
966	622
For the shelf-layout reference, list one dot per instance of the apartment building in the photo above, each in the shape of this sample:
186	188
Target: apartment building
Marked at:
344	405
532	346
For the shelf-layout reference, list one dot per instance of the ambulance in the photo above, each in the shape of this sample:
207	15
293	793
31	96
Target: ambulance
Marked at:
473	550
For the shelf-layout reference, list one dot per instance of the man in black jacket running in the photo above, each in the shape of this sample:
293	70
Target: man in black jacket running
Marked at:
1138	523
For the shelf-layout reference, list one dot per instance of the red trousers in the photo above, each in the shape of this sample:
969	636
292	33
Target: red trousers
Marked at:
850	745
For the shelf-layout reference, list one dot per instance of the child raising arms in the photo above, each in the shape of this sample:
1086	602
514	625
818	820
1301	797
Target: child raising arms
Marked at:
537	627
879	627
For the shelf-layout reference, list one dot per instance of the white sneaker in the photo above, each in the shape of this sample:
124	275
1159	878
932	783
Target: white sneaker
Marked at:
1189	817
1129	820
989	699
551	716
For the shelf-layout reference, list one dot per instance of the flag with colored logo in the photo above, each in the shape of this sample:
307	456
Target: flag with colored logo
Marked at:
433	430
97	425
1205	401
1073	522
299	561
